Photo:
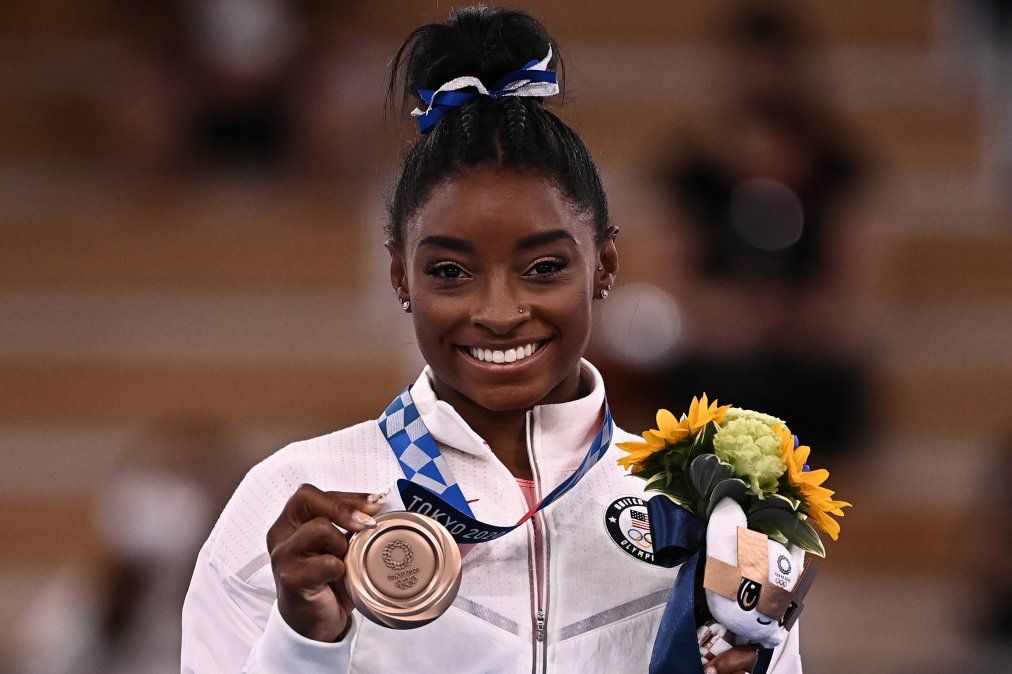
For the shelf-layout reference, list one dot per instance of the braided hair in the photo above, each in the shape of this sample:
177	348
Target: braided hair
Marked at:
515	132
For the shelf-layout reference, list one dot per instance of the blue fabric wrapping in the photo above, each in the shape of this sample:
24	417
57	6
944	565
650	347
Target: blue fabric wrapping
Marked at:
679	537
443	101
676	532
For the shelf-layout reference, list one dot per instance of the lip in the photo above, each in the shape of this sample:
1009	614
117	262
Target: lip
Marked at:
504	368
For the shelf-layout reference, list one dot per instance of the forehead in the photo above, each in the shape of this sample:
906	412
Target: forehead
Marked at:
490	207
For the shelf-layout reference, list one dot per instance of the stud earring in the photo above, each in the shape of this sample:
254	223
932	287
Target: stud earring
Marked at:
406	305
599	267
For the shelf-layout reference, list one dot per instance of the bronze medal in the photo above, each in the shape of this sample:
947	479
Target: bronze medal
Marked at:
404	572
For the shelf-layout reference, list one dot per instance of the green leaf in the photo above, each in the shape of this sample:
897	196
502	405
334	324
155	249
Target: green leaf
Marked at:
702	442
678	488
676	455
706	470
657	482
771	501
772	531
732	488
796	530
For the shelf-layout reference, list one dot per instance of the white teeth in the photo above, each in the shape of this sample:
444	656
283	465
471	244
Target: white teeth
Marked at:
507	356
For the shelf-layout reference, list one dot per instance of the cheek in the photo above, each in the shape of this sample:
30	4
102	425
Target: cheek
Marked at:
571	311
433	320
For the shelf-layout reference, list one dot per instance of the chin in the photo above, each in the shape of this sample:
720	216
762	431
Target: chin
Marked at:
505	397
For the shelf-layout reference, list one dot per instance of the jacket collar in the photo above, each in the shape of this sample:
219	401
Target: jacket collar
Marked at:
564	429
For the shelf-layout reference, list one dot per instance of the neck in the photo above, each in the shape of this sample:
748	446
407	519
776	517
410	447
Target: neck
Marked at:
505	430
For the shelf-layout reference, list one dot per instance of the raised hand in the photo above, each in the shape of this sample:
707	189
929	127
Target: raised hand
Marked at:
307	558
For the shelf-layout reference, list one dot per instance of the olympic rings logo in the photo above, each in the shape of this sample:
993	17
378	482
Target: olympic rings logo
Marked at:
636	536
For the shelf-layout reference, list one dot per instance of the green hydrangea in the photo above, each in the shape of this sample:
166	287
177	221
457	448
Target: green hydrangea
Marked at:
739	413
747	442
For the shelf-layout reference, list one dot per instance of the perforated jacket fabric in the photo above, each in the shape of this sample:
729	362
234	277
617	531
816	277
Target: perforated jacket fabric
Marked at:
601	604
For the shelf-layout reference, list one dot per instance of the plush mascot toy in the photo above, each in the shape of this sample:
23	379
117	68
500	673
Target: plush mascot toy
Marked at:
754	586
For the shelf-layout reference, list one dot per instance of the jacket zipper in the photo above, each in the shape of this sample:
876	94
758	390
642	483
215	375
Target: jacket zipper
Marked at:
540	550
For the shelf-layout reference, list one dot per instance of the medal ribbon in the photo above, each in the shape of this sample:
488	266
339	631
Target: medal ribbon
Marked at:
430	488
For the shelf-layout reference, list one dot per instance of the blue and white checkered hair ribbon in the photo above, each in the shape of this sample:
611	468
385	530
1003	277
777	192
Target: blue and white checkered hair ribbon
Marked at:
534	79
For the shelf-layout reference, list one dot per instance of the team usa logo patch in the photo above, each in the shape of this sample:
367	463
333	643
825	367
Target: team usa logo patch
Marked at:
628	523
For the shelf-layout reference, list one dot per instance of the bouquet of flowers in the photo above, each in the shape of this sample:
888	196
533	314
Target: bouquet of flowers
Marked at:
716	452
746	478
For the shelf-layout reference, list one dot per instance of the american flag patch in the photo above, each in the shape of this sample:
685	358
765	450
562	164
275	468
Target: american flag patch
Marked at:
640	520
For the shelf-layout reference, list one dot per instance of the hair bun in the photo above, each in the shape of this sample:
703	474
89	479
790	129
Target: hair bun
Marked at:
478	41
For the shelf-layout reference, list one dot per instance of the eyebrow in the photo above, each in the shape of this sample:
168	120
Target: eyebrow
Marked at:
528	242
450	242
536	240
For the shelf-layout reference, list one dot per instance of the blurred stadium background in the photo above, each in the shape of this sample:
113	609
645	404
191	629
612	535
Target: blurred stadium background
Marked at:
815	221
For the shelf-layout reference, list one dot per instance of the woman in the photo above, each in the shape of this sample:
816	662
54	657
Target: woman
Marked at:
499	241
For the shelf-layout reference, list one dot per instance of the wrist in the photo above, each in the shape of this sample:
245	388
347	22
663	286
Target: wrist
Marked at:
308	623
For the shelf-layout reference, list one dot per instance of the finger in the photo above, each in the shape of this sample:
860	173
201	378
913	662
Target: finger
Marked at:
349	510
343	596
734	660
306	576
315	537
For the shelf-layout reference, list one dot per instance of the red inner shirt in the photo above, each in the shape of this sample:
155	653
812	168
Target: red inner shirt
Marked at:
527	487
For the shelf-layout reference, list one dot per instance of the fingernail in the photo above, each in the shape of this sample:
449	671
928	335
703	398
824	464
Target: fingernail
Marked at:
378	497
710	670
362	518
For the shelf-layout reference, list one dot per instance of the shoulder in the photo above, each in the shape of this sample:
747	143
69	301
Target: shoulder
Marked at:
622	435
340	461
354	459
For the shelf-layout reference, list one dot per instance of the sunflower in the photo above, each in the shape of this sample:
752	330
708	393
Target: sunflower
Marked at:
668	432
702	412
818	500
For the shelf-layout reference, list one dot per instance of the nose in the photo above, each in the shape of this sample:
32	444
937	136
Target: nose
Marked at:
500	310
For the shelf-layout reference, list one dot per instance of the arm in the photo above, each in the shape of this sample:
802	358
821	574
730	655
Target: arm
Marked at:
231	625
221	634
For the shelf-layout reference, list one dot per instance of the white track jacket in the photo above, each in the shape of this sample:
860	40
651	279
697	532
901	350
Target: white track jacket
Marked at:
598	601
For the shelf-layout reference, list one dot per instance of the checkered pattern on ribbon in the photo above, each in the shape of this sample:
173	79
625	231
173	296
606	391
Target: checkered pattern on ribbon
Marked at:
417	451
423	463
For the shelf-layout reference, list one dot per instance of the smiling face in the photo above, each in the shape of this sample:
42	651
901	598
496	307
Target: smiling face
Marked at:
501	273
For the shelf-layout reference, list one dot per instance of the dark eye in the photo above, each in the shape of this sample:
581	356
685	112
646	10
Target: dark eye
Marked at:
447	270
547	266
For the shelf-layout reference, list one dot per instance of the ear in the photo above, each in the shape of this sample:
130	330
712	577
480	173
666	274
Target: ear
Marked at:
398	273
607	260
